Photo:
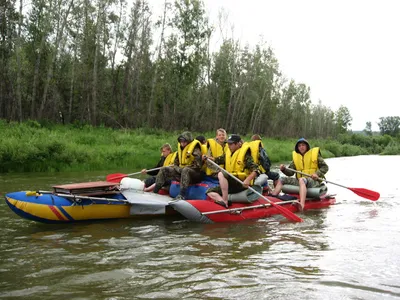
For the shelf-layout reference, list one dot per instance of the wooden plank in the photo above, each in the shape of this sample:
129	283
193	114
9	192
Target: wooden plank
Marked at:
96	187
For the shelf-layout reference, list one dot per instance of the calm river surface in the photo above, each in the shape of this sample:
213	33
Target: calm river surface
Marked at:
348	251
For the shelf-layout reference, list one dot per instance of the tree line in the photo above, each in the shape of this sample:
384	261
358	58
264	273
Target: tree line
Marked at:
106	62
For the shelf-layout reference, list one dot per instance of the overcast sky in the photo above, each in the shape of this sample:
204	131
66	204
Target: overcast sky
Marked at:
347	51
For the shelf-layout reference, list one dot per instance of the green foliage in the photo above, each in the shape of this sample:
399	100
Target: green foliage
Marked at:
343	119
72	76
368	129
393	148
390	126
28	147
334	147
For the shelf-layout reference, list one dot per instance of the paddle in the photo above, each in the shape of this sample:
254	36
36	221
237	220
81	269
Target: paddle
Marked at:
367	194
240	209
118	176
285	212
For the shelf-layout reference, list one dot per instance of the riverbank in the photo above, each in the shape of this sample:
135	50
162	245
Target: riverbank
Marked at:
32	147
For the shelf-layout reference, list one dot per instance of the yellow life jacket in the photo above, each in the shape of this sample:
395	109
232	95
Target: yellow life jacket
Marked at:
185	156
235	164
255	153
216	151
169	160
308	163
203	148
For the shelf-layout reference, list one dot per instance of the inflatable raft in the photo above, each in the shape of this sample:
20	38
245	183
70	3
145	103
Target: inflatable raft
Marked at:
210	212
250	205
106	200
89	201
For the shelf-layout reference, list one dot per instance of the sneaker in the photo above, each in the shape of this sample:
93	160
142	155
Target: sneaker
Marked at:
179	197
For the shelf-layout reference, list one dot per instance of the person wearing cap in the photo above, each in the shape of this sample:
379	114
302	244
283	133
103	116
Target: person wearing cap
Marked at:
238	162
263	159
216	147
307	160
167	159
186	168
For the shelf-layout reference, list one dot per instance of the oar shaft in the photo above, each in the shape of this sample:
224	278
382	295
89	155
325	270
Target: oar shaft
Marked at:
72	196
237	179
302	173
136	173
247	207
285	212
308	175
365	193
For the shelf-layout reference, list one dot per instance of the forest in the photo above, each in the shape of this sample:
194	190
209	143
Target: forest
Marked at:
87	83
114	63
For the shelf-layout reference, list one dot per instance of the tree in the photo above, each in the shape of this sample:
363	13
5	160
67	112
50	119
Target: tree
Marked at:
91	61
389	126
343	119
368	130
191	32
8	31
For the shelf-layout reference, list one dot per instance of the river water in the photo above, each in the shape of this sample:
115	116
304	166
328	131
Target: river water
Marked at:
348	251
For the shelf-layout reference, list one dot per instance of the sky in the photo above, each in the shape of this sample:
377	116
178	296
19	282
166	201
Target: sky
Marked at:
346	51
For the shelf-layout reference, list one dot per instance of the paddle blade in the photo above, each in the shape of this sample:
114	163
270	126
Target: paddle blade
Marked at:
117	177
367	194
287	213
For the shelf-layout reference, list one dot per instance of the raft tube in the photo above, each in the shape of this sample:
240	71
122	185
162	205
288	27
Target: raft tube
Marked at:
314	193
206	211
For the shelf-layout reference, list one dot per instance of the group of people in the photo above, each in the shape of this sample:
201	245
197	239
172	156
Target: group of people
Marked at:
235	164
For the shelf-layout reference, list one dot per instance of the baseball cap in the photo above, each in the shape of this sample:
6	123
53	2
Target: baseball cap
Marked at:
233	138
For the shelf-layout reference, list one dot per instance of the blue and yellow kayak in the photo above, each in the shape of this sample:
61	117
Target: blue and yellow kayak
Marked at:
97	202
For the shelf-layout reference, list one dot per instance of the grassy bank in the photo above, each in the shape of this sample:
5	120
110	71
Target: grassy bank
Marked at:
32	147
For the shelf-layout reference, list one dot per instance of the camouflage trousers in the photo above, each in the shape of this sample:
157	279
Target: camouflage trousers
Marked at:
310	183
185	176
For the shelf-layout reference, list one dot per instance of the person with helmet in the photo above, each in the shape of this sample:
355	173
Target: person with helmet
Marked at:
307	160
187	166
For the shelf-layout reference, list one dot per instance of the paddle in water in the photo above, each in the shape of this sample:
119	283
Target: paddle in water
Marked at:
365	193
284	211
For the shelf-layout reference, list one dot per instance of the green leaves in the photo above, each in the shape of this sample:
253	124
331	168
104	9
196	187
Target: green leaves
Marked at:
390	126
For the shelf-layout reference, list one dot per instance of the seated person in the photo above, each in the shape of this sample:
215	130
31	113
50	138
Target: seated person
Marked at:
264	160
305	160
216	147
167	159
187	166
233	161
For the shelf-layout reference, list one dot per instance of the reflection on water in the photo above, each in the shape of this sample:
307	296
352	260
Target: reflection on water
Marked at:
348	251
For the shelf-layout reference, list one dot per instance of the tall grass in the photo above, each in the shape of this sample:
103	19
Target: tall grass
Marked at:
35	147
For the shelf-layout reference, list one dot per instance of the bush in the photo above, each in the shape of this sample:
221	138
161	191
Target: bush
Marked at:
32	147
392	149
